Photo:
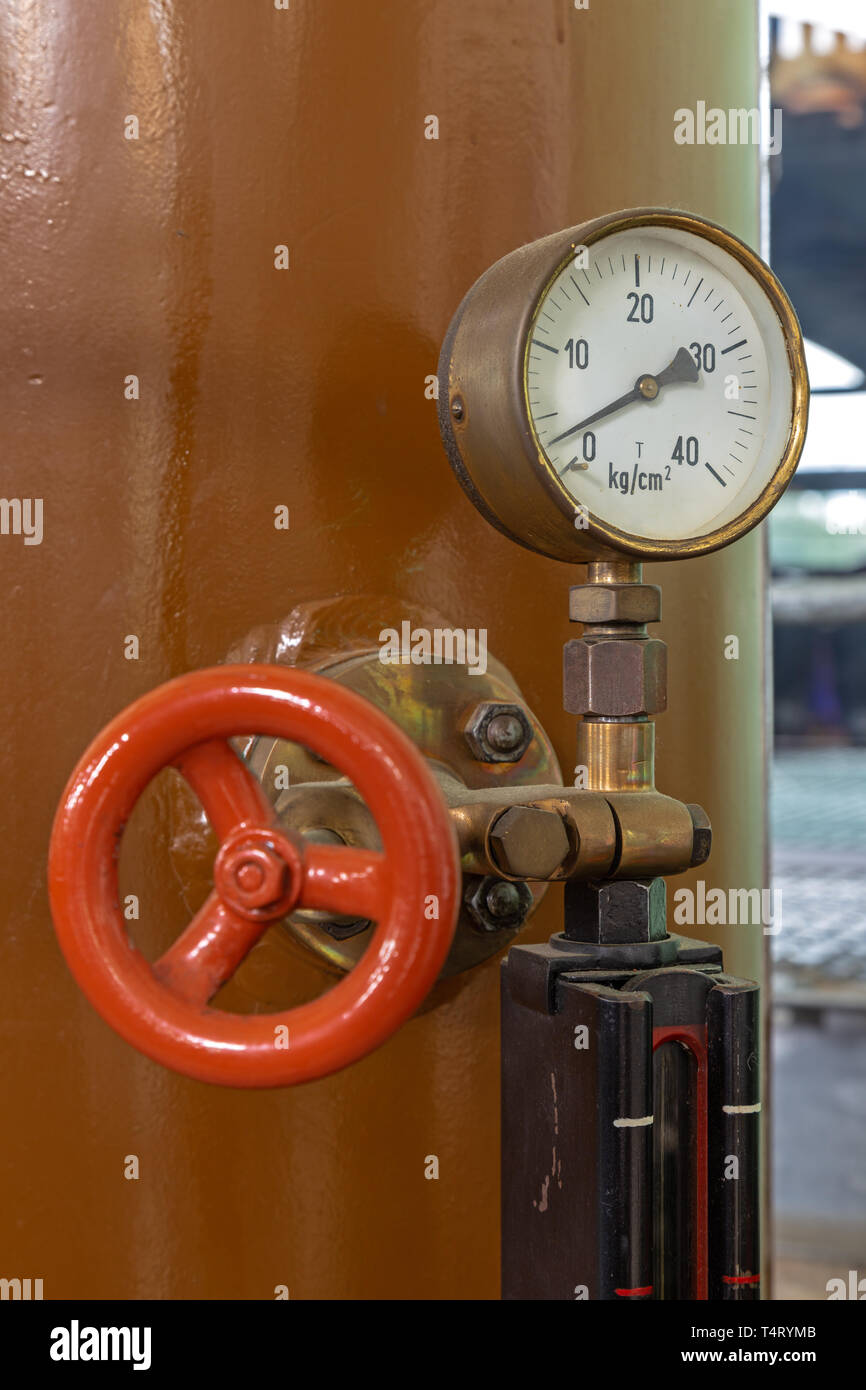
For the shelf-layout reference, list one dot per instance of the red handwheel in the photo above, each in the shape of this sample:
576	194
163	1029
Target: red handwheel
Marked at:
411	889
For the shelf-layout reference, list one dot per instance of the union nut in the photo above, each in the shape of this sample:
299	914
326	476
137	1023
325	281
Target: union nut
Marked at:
615	676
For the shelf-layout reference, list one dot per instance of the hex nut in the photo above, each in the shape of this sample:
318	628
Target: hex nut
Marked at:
496	904
616	910
498	732
615	603
256	874
529	842
615	676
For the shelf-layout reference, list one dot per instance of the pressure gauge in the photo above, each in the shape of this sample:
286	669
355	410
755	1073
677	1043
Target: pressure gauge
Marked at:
632	386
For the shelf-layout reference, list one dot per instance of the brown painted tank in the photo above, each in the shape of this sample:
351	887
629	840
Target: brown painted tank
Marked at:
233	237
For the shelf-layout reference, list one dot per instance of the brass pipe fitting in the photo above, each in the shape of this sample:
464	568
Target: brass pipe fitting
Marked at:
618	756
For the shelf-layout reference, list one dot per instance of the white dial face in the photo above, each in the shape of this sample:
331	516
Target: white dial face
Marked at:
658	383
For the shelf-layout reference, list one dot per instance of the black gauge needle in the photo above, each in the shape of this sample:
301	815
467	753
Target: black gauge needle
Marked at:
646	388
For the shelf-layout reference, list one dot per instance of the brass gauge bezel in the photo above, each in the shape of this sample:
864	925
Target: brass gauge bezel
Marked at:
486	421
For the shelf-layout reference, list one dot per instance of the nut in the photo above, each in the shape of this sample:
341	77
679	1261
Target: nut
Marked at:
498	732
529	842
620	910
344	928
703	835
495	904
615	676
615	603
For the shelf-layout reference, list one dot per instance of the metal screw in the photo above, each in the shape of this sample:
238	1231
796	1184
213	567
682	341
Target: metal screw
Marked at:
498	732
503	899
250	877
504	733
458	409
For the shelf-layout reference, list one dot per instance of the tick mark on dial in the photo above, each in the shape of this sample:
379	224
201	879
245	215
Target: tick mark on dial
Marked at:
715	474
574	463
695	290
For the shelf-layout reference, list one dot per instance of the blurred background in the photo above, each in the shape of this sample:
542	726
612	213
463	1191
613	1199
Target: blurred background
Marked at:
816	51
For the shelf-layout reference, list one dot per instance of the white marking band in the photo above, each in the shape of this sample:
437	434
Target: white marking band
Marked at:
742	1109
633	1124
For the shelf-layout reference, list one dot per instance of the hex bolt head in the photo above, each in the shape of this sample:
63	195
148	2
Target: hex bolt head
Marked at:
495	904
498	732
529	842
702	842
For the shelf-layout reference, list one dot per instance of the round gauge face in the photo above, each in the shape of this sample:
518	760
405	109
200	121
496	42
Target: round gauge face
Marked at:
658	383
